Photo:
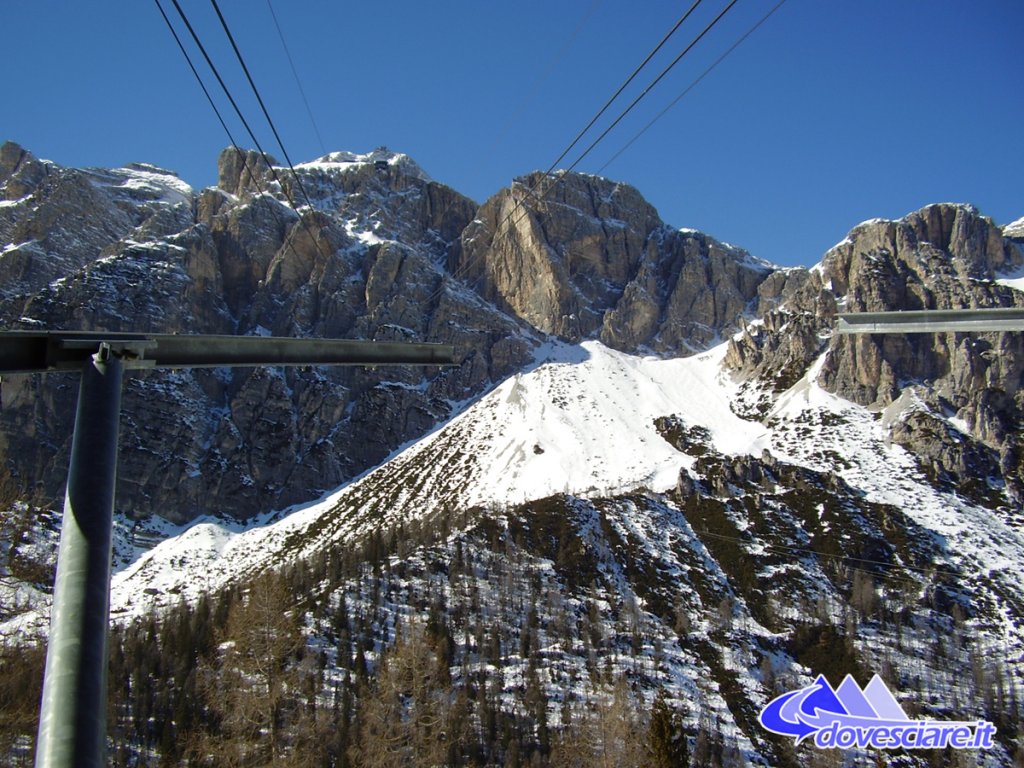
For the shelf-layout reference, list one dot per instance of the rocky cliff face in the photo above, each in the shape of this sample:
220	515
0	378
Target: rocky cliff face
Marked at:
953	399
137	249
584	257
367	247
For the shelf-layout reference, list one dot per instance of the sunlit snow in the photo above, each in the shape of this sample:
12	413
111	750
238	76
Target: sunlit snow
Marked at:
1012	278
581	421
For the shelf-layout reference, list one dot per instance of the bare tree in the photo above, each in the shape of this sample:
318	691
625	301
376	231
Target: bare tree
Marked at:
607	734
257	711
21	674
411	716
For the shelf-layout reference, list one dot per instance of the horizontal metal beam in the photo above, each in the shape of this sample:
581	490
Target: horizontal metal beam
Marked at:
41	351
932	321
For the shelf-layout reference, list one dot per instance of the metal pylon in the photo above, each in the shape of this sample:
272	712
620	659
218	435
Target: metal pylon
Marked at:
72	718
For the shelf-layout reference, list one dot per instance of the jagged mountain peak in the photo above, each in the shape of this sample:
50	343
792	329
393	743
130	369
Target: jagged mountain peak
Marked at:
941	244
381	159
242	172
943	256
583	257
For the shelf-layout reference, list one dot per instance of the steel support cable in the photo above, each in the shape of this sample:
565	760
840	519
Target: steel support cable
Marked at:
273	128
693	85
648	89
464	268
227	91
544	192
623	87
259	99
529	191
575	141
195	72
298	82
231	138
248	128
518	111
512	120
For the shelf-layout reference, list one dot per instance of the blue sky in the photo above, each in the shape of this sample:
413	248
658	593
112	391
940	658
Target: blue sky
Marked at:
834	111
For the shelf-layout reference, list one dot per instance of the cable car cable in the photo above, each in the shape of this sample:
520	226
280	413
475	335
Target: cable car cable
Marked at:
544	192
656	80
692	85
298	82
252	135
259	99
195	72
227	92
622	87
209	97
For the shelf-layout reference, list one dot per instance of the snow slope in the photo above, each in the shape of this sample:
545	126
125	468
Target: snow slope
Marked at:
581	421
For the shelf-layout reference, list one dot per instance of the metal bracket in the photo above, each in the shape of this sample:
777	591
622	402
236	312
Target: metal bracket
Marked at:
64	353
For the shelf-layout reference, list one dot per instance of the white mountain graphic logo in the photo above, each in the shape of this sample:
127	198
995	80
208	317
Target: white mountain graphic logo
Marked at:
851	716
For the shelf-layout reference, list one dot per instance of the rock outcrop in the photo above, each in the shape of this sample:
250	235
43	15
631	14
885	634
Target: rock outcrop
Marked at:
585	257
136	249
941	257
383	252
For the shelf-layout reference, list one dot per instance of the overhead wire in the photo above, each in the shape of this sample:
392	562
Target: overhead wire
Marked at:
213	105
693	84
265	156
259	99
195	72
545	191
227	91
550	67
624	85
572	37
295	74
653	83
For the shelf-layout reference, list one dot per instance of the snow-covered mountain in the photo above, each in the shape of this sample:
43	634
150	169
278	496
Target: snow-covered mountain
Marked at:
632	482
581	422
379	252
655	462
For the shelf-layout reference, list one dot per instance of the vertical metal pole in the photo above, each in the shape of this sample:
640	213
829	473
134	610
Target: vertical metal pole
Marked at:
72	717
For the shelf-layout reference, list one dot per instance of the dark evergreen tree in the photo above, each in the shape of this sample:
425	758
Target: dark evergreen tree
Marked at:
666	740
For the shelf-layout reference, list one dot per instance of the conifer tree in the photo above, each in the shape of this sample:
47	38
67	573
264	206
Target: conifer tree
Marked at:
666	740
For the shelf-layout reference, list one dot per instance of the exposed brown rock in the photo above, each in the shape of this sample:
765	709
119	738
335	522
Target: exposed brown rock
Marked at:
583	257
941	257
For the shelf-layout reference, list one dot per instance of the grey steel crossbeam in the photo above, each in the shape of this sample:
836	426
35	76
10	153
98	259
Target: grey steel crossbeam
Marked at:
932	321
42	351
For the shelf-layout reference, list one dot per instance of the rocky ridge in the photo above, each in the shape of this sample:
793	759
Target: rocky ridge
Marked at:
382	252
954	399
